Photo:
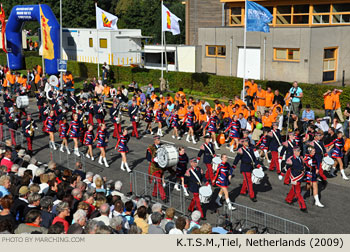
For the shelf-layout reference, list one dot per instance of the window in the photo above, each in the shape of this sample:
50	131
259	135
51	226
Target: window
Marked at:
341	13
286	54
236	17
91	42
103	43
329	64
70	41
321	14
216	51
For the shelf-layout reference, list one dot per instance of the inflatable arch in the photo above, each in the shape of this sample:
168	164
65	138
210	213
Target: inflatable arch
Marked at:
21	14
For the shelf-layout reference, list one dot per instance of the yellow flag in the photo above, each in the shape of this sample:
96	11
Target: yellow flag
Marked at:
48	51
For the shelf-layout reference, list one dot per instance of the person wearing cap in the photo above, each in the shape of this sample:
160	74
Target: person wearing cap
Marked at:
13	125
285	154
338	146
90	110
72	102
133	111
245	154
296	177
213	127
74	131
208	152
234	135
115	115
20	203
195	177
222	179
321	152
275	141
154	169
28	128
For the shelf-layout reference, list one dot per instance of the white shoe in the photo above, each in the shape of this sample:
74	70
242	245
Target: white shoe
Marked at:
186	193
178	138
230	207
67	149
105	161
269	161
231	149
92	158
216	145
217	201
76	152
188	138
173	137
100	160
87	155
122	166
345	177
177	187
61	149
280	177
319	204
127	168
54	146
194	141
152	132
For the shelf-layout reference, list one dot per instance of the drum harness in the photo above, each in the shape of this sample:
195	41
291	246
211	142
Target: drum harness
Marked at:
195	175
252	163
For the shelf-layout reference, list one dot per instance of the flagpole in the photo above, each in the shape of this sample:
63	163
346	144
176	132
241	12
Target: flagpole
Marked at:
98	51
245	48
42	44
162	39
165	54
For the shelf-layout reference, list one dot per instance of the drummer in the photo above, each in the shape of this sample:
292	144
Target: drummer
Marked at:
246	155
195	177
207	148
288	151
320	153
222	180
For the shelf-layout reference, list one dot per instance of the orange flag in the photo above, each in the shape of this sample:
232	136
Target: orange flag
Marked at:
48	51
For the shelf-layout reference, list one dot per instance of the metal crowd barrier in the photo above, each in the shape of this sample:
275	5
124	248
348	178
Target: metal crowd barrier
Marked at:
16	137
142	184
249	217
65	160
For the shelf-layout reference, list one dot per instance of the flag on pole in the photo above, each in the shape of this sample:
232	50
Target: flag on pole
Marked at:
170	21
3	28
258	18
47	46
105	20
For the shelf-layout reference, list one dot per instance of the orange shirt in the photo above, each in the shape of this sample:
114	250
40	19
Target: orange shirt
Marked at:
171	99
336	100
37	79
180	93
230	110
10	78
162	100
156	105
275	108
266	121
252	89
106	91
182	112
239	102
273	117
202	117
328	101
40	70
262	94
288	100
153	97
269	99
252	112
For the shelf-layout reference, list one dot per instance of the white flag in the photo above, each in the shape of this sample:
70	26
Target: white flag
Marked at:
105	20
170	21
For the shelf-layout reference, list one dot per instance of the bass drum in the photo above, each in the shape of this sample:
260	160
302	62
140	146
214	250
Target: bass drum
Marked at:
22	101
167	156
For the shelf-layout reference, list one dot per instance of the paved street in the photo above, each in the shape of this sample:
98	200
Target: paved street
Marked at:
334	218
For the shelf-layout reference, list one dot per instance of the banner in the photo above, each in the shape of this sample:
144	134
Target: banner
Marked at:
170	21
258	18
105	20
3	28
47	44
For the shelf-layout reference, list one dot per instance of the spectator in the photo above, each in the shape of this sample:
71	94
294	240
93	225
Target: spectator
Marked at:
328	104
169	217
32	224
337	107
5	184
46	204
116	224
20	204
128	212
104	210
195	217
296	93
6	161
6	203
221	226
79	219
140	220
79	170
180	225
154	228
150	89
33	202
205	229
156	208
63	212
117	191
308	116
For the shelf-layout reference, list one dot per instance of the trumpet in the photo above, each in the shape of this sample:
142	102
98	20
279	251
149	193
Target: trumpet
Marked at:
31	129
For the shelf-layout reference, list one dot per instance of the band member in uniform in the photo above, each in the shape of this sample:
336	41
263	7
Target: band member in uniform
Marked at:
311	174
8	101
189	119
212	128
123	149
114	113
207	149
296	176
174	121
155	170
149	119
2	113
275	141
245	154
263	145
195	177
90	109
133	113
72	102
63	130
40	101
181	169
50	128
234	128
102	140
338	146
222	179
320	153
88	140
99	113
159	120
12	123
73	132
44	112
28	128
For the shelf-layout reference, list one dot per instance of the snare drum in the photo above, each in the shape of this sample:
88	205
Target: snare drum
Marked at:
205	193
22	101
257	176
215	163
167	156
327	163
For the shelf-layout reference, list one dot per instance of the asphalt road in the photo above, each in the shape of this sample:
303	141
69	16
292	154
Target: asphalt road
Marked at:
333	218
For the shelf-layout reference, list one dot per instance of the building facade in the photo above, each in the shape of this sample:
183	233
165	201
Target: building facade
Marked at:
308	41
